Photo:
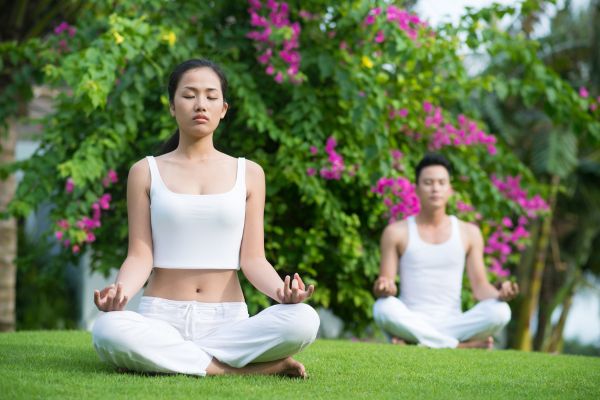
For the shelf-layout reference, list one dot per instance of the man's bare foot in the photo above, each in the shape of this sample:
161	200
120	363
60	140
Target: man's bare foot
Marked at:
478	344
293	369
398	341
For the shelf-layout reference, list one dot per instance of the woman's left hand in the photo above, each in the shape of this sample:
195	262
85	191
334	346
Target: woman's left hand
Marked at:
294	291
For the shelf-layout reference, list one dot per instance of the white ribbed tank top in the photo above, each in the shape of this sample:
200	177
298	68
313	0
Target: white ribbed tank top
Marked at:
197	231
431	274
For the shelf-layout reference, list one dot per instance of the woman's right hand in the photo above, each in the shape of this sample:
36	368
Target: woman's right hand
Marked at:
110	298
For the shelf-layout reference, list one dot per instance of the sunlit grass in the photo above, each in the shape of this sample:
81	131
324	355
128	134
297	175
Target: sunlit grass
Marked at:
63	364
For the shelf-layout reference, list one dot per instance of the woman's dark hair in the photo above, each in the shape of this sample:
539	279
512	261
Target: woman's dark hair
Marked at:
432	159
172	143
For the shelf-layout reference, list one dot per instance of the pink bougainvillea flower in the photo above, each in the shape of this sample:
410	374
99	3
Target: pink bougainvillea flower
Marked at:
69	185
90	237
427	107
63	223
104	201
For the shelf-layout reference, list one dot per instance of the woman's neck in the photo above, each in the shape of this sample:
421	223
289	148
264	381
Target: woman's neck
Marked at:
200	149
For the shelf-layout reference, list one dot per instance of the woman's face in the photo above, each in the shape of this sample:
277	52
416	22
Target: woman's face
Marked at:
198	104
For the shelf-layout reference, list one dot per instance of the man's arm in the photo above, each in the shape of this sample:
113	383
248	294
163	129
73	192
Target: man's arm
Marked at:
393	241
482	289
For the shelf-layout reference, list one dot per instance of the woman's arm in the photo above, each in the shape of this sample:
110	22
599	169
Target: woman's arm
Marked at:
138	264
253	262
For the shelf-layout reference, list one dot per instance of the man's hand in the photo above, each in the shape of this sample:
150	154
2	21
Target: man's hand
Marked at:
384	287
110	298
294	292
508	291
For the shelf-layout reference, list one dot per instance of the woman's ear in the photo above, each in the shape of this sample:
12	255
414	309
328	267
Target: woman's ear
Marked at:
172	109
225	108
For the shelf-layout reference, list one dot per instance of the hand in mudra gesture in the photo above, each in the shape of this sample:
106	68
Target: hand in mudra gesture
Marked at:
384	287
294	291
508	291
110	298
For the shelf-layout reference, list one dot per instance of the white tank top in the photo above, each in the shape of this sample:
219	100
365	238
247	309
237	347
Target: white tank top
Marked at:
431	274
197	231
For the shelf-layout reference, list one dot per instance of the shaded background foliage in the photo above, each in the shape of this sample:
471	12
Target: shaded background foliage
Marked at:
112	111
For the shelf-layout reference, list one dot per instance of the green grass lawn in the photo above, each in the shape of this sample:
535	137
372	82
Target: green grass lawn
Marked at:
63	364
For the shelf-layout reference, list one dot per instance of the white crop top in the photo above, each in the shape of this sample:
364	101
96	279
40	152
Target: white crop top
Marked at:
192	231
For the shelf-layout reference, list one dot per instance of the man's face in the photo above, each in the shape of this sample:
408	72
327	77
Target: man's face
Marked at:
433	187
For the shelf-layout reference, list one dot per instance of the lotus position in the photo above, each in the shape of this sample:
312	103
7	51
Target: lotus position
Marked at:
432	248
195	217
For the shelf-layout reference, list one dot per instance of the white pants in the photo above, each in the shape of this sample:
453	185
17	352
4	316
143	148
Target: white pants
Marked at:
485	319
183	336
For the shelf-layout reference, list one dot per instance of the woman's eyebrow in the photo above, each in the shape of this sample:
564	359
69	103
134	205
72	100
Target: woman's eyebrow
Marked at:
195	89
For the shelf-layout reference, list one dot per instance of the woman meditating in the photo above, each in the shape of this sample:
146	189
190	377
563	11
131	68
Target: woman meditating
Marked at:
195	218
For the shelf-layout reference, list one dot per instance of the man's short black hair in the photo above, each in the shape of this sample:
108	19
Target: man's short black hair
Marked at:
432	159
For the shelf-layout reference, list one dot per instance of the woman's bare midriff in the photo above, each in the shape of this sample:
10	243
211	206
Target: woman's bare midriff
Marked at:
204	285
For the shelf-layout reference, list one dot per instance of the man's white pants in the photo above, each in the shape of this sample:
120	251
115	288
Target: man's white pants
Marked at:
183	336
485	319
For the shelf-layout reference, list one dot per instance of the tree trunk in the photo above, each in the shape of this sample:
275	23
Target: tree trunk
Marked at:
531	297
545	308
8	234
554	342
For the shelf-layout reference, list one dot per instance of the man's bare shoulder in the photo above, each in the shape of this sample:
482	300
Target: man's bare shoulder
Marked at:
397	227
470	231
396	232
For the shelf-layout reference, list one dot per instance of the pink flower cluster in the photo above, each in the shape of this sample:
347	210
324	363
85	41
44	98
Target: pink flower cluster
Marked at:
511	189
464	207
336	161
503	240
502	243
275	26
396	157
584	93
407	22
399	196
466	133
85	224
67	29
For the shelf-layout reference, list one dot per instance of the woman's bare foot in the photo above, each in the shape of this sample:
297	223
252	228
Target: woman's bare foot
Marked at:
398	341
284	367
478	344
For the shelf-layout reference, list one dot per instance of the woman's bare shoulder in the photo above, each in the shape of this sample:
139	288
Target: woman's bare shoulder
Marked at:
254	170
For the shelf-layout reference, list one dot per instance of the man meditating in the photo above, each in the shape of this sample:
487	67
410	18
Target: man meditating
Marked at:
432	248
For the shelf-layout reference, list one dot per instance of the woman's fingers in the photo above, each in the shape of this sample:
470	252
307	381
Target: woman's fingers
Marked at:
110	298
97	299
118	296
287	292
295	291
300	283
123	303
310	291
